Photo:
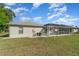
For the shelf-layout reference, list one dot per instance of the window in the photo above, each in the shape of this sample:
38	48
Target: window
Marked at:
20	30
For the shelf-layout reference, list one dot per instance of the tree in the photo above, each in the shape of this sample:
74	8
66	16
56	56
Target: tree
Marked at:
1	5
6	15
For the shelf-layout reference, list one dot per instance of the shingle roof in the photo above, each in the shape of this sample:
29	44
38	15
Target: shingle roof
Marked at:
29	23
60	25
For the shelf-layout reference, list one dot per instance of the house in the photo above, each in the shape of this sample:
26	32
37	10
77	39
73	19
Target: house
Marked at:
31	29
24	29
55	29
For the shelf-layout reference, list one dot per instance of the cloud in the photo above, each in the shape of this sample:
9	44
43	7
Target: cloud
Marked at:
62	9
36	5
54	5
67	16
37	18
58	12
69	20
22	18
20	9
34	19
8	7
10	4
48	13
54	15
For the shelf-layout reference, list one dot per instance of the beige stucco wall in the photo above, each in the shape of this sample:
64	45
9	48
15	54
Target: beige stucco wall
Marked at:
27	31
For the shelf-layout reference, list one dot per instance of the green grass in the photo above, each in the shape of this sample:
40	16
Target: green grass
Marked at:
50	46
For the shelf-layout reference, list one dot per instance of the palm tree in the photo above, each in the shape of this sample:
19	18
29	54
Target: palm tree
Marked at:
9	13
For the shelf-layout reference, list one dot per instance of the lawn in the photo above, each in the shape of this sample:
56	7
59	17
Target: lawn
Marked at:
48	46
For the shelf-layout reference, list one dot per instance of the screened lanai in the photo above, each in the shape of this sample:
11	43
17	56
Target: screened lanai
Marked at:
55	29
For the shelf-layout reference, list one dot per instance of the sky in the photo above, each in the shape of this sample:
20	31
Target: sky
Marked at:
43	13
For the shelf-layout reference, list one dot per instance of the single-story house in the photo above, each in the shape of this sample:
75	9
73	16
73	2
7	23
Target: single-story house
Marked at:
24	29
31	29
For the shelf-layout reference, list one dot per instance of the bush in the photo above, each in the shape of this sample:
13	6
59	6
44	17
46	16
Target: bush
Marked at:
38	34
76	33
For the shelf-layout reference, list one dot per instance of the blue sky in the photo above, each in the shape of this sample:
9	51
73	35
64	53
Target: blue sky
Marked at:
59	13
